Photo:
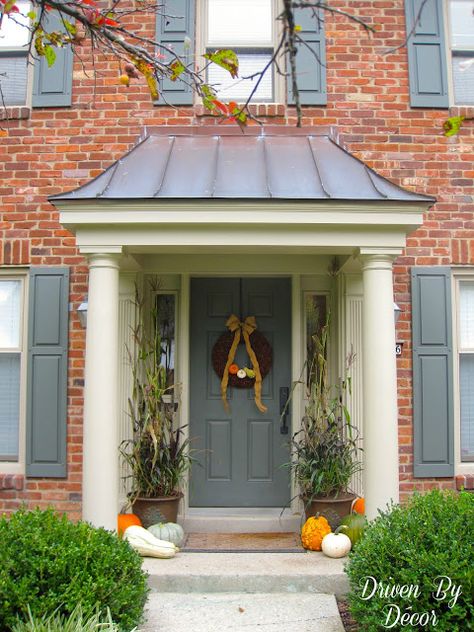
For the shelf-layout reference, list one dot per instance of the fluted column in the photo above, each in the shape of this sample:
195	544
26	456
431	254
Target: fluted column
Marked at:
100	446
380	434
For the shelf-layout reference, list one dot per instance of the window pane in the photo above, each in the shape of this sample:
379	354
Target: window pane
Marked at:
10	294
239	89
466	379
9	405
316	317
462	23
466	315
13	77
166	317
463	79
13	32
239	22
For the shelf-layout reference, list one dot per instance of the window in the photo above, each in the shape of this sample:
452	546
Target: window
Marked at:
466	368
228	25
14	38
166	322
462	50
11	344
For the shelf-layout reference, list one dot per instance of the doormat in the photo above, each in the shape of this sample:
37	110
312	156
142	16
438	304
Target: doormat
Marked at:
243	543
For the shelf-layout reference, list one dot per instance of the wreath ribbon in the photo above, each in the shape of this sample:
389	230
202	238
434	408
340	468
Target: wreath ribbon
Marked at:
245	329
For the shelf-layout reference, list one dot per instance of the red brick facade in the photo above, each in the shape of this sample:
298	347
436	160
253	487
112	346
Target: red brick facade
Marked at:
47	151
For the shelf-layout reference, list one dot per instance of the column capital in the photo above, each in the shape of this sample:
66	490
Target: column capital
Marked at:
377	261
103	260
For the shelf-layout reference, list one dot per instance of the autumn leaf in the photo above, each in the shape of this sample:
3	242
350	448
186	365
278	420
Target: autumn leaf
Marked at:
452	125
50	54
237	114
208	95
177	68
226	59
221	106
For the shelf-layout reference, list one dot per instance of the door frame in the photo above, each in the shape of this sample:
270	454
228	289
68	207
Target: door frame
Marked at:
297	349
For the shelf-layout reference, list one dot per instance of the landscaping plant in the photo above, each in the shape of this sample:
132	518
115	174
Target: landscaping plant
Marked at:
414	567
49	564
75	622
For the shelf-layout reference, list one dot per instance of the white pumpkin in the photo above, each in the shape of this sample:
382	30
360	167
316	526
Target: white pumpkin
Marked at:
336	544
169	531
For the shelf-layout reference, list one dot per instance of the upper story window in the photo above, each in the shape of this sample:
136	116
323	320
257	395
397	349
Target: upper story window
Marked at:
248	28
462	50
11	296
466	368
14	38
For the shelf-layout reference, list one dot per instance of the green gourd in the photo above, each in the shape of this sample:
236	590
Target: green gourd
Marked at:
353	526
169	531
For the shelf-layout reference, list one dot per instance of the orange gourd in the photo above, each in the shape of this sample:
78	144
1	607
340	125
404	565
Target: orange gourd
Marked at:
359	506
127	520
233	369
313	532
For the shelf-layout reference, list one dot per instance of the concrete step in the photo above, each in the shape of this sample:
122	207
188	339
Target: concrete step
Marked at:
241	612
297	573
240	520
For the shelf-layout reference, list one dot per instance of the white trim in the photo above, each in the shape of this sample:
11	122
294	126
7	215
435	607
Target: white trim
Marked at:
458	275
449	58
19	274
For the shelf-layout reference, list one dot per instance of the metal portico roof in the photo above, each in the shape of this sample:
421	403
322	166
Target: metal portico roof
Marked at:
221	162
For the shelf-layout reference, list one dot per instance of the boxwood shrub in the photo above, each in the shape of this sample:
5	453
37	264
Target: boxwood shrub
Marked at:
414	567
50	564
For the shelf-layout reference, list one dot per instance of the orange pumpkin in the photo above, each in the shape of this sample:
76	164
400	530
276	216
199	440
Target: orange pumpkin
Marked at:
358	506
127	520
233	369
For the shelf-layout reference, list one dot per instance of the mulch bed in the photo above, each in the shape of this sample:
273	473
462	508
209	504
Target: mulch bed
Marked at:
347	621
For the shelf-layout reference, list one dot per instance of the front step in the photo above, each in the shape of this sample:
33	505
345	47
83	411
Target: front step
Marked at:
276	612
307	572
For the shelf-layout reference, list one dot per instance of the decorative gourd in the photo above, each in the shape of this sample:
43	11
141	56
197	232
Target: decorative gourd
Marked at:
126	520
233	369
336	545
169	531
313	532
354	526
147	545
358	506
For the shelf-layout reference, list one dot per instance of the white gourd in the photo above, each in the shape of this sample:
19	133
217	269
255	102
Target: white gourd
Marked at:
336	545
147	545
169	531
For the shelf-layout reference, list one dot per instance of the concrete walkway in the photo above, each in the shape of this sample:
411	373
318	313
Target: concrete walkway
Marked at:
267	592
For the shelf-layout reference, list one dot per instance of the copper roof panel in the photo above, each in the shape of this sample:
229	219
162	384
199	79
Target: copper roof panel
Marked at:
240	169
141	172
191	168
290	168
258	163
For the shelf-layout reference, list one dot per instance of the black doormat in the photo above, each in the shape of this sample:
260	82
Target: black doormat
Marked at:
243	543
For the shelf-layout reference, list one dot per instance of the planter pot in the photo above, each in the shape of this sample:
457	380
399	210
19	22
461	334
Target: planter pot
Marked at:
340	504
155	510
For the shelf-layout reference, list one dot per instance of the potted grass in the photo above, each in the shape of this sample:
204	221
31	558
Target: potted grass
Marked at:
157	454
324	452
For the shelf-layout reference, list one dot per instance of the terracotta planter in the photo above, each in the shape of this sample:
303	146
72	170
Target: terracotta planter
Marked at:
155	510
341	504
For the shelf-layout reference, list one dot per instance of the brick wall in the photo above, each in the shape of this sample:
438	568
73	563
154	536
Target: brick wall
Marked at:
47	151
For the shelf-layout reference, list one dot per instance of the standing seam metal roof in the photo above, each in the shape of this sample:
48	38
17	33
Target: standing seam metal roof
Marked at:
280	165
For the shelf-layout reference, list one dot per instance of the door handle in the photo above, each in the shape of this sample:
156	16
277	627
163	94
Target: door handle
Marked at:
284	394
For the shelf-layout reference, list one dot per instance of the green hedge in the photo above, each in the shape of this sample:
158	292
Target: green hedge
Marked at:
425	545
50	564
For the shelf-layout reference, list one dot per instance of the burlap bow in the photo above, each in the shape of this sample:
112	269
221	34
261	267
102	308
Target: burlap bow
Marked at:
245	328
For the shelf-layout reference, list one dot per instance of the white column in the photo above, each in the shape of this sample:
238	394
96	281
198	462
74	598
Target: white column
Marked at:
380	385
100	446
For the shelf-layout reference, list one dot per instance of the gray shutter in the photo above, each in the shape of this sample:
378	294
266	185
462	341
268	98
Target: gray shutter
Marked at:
47	372
171	32
311	73
433	414
52	86
427	63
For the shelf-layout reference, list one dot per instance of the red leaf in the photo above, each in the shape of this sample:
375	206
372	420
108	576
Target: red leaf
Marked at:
221	106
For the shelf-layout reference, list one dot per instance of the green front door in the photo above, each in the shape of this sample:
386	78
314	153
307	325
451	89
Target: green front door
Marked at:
240	452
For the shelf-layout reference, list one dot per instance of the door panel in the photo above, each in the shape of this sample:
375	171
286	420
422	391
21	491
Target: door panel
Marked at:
239	454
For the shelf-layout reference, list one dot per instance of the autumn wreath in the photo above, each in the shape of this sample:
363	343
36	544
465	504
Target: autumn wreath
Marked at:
260	357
